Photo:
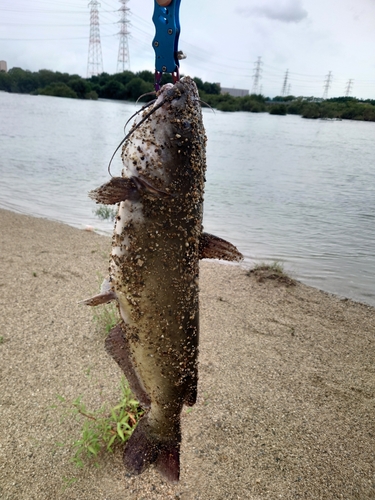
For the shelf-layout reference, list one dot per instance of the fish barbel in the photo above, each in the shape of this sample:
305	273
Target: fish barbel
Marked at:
154	267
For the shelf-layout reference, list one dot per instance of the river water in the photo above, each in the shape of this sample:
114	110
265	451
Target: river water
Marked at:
282	188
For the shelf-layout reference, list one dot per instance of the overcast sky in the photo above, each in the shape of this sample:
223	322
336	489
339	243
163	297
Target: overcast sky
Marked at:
222	40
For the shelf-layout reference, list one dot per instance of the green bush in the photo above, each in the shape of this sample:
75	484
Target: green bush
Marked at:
278	109
57	90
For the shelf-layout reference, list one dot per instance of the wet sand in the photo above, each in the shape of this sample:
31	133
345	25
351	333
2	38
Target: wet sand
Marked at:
286	388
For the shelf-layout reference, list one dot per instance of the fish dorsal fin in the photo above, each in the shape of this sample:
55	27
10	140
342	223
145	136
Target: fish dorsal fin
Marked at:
213	247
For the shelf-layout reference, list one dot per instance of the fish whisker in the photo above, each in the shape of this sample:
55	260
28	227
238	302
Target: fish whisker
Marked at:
171	94
150	113
144	95
139	111
206	104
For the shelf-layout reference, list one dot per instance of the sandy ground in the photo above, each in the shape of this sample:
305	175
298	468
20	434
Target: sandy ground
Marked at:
286	394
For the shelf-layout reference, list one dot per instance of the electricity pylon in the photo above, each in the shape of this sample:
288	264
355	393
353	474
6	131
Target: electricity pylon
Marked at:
95	58
284	90
349	88
327	84
123	59
257	76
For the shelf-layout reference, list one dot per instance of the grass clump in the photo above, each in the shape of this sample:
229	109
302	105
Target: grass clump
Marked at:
106	212
105	428
274	271
105	317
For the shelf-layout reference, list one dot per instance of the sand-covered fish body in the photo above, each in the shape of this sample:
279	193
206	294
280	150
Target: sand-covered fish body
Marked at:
154	269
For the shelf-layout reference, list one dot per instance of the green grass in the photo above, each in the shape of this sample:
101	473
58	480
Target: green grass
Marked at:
105	317
275	267
106	212
274	271
102	429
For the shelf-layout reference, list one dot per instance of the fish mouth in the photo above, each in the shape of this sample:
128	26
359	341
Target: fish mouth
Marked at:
176	94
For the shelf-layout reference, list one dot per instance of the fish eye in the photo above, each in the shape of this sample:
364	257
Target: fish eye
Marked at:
185	125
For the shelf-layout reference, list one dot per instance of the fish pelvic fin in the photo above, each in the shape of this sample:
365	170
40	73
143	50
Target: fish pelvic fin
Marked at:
145	448
213	247
106	295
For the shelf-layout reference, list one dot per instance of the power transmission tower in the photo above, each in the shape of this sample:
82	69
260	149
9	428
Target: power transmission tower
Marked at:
123	60
327	84
348	88
257	76
95	59
284	90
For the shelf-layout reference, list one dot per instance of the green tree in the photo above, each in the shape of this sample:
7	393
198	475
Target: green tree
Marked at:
125	77
5	82
137	87
81	87
22	81
146	75
310	110
278	109
113	90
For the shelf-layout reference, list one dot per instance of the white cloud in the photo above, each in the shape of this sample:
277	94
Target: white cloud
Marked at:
287	11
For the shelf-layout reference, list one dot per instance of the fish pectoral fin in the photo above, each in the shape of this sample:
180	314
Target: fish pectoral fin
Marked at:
116	190
147	188
213	247
106	295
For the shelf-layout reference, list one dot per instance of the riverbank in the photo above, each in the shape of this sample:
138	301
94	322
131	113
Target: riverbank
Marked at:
286	392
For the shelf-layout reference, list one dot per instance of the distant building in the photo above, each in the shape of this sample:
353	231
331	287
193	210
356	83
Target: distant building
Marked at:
3	66
234	92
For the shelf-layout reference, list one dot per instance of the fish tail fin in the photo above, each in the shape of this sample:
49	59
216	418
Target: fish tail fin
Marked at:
168	462
145	448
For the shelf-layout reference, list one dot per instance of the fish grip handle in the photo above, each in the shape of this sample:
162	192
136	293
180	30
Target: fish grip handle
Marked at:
165	43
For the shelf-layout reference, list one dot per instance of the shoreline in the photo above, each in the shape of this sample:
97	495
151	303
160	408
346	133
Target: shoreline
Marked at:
247	264
286	381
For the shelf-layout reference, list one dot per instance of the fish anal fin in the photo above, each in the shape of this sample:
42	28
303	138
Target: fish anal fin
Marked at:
116	190
117	346
213	247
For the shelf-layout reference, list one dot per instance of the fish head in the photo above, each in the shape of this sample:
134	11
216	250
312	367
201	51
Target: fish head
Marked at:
168	139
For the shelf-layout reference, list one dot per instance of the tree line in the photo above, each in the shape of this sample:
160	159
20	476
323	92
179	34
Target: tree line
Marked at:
129	86
337	108
122	86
